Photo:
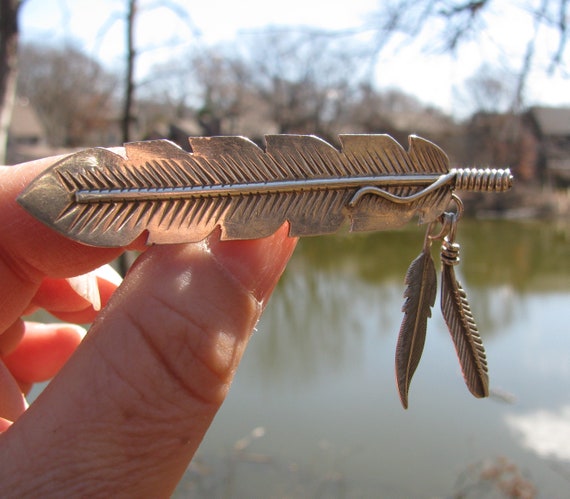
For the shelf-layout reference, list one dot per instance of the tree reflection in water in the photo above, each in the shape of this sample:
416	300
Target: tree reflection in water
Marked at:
321	369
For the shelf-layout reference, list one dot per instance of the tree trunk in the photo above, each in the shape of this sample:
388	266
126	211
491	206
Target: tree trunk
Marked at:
129	78
8	68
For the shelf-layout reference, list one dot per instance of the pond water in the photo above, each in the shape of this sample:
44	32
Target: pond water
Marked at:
314	410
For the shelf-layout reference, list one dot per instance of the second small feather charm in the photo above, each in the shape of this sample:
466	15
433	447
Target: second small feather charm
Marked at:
460	322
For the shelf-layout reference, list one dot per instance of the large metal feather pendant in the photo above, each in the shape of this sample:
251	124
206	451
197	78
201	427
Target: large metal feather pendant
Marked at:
461	324
228	183
103	199
421	290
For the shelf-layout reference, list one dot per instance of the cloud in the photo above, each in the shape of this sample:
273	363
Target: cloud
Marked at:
547	433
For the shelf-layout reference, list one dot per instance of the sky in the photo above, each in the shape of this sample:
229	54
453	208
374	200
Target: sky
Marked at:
433	78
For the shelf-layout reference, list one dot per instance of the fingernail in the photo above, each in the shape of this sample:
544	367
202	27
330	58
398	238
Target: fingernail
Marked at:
109	274
75	328
85	285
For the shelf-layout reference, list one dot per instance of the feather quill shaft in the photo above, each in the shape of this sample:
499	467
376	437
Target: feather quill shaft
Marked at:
420	296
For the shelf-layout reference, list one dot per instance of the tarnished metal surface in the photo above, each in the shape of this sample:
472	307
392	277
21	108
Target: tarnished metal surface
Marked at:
420	293
100	198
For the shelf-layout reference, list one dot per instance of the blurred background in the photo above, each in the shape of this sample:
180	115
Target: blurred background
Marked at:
314	411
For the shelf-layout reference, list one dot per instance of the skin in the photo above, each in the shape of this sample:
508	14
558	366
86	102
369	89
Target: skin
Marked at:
130	404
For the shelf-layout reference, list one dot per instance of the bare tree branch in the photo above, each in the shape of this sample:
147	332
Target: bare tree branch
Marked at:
70	91
518	98
562	25
459	21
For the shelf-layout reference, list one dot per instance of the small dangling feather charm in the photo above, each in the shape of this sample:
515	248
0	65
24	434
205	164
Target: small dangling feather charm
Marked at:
459	319
420	296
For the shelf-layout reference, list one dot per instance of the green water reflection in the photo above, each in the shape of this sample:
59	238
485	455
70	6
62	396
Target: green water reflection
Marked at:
524	254
318	377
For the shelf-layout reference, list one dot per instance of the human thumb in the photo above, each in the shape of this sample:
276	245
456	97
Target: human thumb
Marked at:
126	414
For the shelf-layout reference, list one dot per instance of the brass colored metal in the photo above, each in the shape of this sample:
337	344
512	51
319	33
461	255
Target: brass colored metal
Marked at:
100	198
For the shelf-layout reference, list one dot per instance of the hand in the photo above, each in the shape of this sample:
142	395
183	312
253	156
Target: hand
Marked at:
127	411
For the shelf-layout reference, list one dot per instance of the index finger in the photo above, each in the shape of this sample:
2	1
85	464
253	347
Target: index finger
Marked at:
29	250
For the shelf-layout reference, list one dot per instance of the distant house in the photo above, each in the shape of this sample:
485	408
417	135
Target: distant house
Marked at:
546	140
492	140
26	128
180	130
27	137
26	134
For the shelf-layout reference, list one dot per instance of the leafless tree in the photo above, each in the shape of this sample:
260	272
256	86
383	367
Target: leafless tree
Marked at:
373	110
220	81
285	81
9	10
134	9
170	87
71	92
455	22
306	81
281	80
490	89
211	84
